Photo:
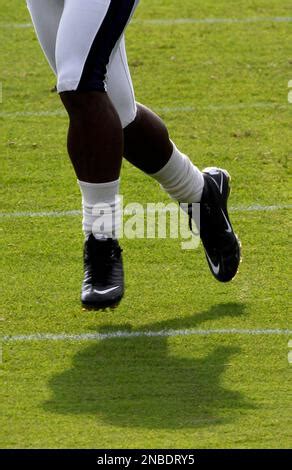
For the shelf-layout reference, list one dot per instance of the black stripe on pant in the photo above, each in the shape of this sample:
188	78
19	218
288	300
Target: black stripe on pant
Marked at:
111	29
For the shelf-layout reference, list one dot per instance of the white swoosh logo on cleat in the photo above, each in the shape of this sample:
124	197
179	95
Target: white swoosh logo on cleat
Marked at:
215	268
229	229
106	291
215	182
221	184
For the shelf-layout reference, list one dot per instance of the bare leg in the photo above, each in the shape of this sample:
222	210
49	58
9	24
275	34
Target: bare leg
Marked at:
95	137
147	146
146	141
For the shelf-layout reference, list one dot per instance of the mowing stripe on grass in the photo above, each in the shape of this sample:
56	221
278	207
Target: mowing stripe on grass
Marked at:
181	21
77	213
140	334
164	109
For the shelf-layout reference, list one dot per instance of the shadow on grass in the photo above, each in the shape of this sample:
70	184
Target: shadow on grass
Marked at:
139	382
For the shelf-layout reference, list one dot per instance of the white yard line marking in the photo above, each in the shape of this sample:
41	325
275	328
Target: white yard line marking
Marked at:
181	21
163	109
260	208
16	25
77	213
222	107
140	334
212	21
12	215
28	114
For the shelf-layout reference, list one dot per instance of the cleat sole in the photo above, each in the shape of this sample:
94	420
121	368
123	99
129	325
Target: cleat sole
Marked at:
102	308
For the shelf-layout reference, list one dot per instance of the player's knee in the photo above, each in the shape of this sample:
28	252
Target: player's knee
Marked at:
84	104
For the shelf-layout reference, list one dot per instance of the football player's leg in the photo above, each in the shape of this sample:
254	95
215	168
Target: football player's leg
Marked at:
88	32
87	35
85	40
46	16
146	140
147	145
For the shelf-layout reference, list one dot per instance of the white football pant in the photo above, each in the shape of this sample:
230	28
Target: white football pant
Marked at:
84	43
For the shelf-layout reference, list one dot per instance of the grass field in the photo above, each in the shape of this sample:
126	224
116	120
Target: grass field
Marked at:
222	90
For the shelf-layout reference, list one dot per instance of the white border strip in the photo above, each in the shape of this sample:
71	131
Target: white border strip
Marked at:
140	334
77	213
164	109
181	21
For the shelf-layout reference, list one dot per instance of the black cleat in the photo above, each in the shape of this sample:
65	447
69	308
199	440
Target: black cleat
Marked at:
221	244
103	284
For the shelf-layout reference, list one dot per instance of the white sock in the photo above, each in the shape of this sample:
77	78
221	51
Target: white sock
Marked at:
180	178
101	209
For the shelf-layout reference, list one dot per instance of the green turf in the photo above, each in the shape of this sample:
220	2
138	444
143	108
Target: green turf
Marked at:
188	391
